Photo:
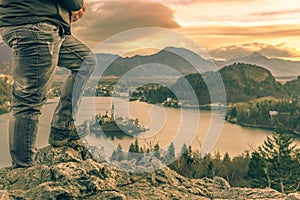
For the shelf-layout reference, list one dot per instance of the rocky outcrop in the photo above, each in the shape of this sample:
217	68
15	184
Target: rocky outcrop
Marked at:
72	172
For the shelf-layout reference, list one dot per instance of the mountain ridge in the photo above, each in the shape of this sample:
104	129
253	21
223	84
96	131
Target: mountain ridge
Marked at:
181	60
278	67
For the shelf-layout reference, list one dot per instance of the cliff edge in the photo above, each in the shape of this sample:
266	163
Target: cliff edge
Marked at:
71	172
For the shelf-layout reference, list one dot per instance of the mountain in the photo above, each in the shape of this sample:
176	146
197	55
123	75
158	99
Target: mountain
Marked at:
74	172
278	67
170	61
183	61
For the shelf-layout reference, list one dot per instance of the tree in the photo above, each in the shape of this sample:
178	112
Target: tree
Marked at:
131	148
136	146
156	152
189	155
170	156
131	151
233	112
117	154
282	169
256	172
183	149
226	157
135	152
211	170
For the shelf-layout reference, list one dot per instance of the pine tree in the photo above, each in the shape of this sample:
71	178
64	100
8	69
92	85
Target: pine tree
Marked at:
141	150
170	156
190	155
183	151
211	169
117	154
226	157
226	167
131	152
282	168
136	146
186	155
156	151
256	172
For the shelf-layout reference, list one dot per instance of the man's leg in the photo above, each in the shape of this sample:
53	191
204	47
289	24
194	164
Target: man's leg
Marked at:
78	58
35	55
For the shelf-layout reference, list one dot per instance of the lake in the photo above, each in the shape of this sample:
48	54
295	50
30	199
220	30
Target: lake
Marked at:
189	126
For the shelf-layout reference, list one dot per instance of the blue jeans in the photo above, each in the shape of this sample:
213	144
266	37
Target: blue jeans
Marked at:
37	50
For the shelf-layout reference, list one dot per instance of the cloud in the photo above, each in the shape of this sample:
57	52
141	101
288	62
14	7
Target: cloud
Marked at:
107	18
269	50
273	31
185	2
213	36
201	1
277	12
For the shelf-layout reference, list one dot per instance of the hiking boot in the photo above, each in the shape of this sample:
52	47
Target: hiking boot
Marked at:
59	137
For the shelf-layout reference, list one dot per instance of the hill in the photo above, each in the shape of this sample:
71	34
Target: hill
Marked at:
242	82
72	172
292	88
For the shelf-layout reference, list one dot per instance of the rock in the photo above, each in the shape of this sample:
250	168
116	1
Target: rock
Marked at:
111	195
4	195
71	172
250	193
294	196
222	182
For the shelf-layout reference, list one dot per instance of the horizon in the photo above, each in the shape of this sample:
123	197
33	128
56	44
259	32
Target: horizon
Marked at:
150	52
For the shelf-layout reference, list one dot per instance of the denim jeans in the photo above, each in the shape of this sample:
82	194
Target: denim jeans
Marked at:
37	50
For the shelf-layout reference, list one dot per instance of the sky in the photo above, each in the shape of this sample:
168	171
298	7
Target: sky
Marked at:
225	29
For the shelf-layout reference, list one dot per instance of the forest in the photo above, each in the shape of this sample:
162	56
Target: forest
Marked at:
275	164
268	113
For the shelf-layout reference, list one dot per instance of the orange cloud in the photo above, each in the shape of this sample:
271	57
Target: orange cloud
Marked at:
268	31
226	42
269	50
202	1
278	12
112	17
212	37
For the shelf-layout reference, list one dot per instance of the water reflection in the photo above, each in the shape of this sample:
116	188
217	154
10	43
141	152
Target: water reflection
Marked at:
112	135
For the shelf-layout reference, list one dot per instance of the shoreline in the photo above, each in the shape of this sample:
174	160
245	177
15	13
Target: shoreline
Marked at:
292	132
